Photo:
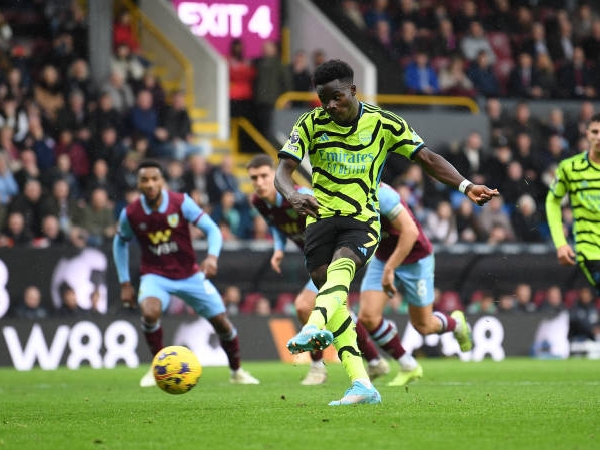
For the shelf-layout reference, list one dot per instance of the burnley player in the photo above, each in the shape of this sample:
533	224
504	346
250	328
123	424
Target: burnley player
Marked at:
404	260
159	220
285	223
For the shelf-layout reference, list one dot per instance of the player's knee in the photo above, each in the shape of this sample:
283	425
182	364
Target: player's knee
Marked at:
368	319
151	310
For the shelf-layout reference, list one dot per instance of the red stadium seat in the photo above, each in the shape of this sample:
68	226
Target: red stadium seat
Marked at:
284	303
249	304
500	43
450	301
539	297
570	298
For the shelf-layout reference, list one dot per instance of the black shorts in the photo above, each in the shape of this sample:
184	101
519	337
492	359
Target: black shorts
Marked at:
591	270
325	236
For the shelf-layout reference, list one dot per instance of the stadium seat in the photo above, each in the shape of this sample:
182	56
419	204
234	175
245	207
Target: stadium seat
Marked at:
284	304
450	301
538	297
570	298
249	304
500	43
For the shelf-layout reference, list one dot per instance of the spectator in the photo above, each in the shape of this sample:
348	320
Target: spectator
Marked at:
526	220
522	121
382	35
591	43
576	79
262	307
419	76
119	90
99	178
152	84
440	225
13	116
174	134
351	9
41	144
506	304
196	180
485	305
475	41
31	308
556	123
62	171
272	80
74	116
408	43
232	298
52	235
496	165
482	75
544	84
454	81
561	45
108	147
535	44
8	185
301	75
48	94
465	16
553	152
467	226
123	32
529	158
15	233
583	21
241	82
469	157
80	163
516	184
522	78
96	220
495	221
29	203
128	63
524	298
500	17
79	79
553	301
105	115
173	177
61	204
14	85
498	121
376	10
445	41
70	306
584	318
124	177
227	212
143	120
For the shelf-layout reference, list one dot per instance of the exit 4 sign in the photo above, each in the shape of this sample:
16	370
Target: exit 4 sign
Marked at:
219	22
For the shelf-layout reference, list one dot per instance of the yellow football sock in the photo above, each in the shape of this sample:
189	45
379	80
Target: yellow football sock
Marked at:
334	293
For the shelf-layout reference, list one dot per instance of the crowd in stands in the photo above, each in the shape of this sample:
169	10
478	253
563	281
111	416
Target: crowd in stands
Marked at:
69	146
513	48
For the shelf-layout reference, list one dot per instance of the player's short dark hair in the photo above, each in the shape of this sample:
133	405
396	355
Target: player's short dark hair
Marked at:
334	69
259	161
147	164
595	118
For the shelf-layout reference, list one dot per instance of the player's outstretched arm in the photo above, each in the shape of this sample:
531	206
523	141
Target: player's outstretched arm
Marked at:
440	168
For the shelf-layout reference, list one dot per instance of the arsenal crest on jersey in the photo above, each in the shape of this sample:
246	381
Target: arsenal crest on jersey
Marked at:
173	220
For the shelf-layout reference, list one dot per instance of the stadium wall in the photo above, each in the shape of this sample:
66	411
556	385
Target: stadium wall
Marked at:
104	342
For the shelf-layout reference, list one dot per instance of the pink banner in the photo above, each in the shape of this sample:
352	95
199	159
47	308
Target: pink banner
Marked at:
219	22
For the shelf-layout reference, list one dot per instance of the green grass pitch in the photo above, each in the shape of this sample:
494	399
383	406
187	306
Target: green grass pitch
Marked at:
513	404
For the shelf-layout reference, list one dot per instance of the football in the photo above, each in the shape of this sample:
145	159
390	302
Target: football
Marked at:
176	369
